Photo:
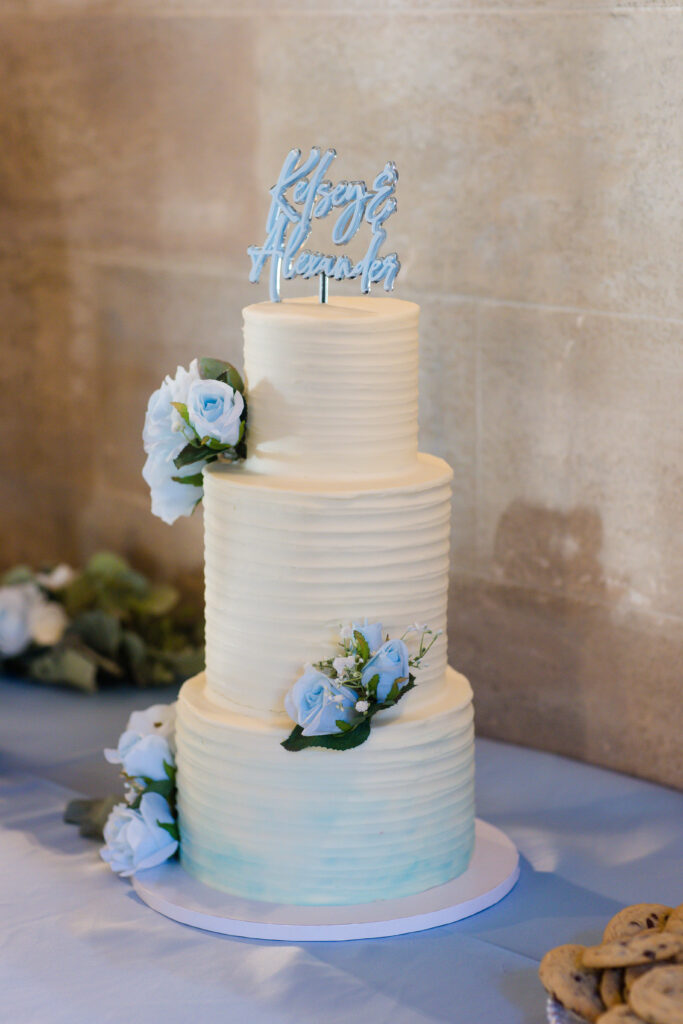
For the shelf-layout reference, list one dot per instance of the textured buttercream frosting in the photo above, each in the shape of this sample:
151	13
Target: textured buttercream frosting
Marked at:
333	518
288	564
392	817
332	387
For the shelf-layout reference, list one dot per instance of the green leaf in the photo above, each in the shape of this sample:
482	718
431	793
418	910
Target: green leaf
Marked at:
159	600
165	787
90	815
185	663
190	453
197	480
67	666
390	701
372	686
333	741
171	828
107	565
133	650
181	408
217	369
19	574
361	645
393	693
170	770
215	446
79	595
99	630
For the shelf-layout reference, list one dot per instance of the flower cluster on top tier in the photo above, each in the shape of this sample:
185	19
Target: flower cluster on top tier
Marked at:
142	831
192	419
334	701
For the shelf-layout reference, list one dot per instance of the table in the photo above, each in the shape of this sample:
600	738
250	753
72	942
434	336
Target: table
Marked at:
78	947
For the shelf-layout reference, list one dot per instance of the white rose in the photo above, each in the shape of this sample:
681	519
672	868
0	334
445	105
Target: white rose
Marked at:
340	665
159	719
47	622
179	389
134	840
58	578
16	604
159	423
141	757
169	498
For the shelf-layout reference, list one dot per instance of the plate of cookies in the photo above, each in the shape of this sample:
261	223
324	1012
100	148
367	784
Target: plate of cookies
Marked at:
634	976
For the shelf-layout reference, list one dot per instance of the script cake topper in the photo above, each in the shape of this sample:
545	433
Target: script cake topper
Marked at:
310	196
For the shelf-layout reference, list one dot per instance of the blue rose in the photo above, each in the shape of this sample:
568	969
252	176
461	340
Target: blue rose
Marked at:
389	663
316	703
372	631
215	410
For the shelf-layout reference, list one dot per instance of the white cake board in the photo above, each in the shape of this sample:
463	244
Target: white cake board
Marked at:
492	873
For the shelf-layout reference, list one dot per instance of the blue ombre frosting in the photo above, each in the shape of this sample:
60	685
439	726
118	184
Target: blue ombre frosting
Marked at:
392	817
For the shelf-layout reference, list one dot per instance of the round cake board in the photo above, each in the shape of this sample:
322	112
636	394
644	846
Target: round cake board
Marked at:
492	873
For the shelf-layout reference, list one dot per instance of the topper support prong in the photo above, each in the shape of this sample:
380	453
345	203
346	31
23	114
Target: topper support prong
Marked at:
323	287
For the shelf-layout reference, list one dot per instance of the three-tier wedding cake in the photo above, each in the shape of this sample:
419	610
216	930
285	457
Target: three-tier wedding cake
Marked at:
334	518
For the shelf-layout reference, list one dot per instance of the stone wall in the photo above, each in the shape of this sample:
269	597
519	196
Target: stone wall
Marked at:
540	227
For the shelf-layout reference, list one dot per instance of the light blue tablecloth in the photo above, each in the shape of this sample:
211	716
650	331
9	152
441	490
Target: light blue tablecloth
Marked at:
78	947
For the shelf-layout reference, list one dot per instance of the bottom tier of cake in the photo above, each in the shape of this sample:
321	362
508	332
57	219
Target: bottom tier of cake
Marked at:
392	817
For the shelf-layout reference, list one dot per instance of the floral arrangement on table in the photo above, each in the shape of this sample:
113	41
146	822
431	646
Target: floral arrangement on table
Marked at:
107	622
141	830
193	419
335	700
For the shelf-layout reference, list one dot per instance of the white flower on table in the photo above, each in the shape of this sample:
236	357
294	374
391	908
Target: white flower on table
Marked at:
148	743
17	603
58	578
134	839
158	719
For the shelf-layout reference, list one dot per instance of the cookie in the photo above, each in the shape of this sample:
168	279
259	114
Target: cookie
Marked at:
563	975
620	1015
631	975
658	996
611	986
634	919
675	921
646	948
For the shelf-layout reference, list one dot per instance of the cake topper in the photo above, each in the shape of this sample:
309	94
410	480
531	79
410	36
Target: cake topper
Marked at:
302	193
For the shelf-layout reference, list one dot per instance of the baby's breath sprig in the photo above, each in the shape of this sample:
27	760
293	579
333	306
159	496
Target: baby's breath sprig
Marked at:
367	675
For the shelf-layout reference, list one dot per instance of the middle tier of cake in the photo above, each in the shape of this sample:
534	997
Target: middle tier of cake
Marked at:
288	564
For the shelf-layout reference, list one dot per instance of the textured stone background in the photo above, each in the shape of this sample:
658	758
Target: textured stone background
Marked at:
540	227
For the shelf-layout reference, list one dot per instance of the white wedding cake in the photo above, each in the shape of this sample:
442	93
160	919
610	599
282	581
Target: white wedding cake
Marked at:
334	518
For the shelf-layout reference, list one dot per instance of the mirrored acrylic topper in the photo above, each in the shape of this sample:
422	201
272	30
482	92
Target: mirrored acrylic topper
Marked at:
301	193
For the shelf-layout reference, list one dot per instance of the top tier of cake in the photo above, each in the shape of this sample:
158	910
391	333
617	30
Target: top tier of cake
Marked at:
332	386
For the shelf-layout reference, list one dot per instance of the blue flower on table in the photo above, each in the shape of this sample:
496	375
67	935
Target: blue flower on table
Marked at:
317	703
389	663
